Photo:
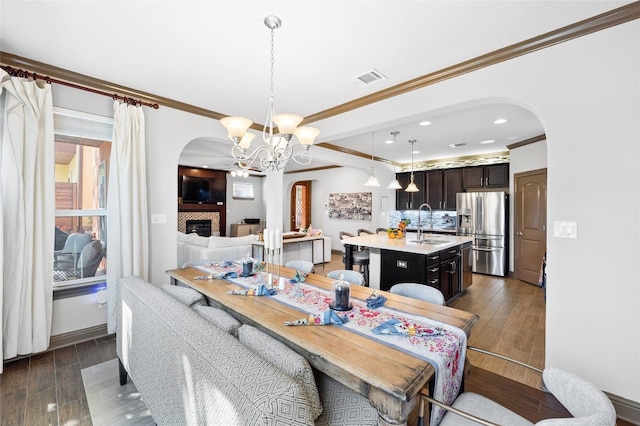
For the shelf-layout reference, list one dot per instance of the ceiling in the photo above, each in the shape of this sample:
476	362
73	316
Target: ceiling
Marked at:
215	55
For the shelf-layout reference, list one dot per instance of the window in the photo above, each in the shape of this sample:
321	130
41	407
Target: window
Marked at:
82	150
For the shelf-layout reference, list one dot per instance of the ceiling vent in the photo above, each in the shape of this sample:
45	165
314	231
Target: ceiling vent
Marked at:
369	77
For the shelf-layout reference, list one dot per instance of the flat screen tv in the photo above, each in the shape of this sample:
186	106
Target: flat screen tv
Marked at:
202	190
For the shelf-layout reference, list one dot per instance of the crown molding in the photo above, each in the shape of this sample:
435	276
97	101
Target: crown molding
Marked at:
596	23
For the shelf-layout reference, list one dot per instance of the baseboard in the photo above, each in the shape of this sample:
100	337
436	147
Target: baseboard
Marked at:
78	336
626	409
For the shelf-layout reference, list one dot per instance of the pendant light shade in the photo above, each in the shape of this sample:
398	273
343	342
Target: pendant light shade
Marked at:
412	187
373	180
394	184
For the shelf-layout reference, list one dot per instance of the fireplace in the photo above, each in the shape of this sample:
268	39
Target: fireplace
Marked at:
200	226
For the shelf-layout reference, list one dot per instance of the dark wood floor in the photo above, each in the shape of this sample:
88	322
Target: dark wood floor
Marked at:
47	389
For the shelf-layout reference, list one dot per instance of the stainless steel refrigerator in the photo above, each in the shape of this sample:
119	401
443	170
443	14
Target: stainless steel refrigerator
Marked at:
484	217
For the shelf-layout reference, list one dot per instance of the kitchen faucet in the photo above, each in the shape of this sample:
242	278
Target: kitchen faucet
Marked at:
419	221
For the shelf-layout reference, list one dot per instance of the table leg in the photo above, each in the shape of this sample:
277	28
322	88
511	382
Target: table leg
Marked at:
391	411
348	256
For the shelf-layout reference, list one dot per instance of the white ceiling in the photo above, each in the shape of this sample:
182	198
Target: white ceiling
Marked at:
215	55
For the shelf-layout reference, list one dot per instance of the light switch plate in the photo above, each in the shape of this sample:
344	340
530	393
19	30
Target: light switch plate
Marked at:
158	218
565	229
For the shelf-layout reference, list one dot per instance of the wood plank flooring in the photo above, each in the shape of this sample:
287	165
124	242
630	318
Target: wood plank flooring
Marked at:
47	388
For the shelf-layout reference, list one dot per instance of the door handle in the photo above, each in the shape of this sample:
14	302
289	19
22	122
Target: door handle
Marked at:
520	233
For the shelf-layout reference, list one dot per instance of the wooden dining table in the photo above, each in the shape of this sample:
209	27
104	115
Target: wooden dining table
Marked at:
390	378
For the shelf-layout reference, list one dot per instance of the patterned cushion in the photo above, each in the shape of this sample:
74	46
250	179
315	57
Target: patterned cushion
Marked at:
284	358
190	373
219	318
343	406
188	296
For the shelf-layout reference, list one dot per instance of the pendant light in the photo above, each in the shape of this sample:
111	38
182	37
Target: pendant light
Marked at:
394	184
412	186
373	180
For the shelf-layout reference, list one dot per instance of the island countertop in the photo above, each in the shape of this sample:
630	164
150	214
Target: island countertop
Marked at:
408	244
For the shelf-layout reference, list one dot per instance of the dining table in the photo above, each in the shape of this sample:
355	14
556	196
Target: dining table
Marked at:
388	376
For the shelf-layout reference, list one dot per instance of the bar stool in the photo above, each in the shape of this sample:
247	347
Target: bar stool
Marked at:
360	257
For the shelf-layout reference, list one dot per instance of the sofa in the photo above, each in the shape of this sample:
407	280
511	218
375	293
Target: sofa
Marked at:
196	364
192	247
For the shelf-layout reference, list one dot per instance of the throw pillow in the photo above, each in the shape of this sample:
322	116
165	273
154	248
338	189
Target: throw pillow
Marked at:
186	295
286	359
220	319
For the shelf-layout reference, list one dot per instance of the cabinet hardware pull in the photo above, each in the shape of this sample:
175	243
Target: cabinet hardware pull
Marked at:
433	281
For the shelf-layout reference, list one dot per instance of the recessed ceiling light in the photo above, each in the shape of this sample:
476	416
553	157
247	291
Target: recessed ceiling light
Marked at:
500	121
513	138
415	152
425	123
487	141
389	141
457	145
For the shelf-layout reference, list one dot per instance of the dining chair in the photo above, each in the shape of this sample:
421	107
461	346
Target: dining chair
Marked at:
587	404
353	277
419	291
301	266
363	231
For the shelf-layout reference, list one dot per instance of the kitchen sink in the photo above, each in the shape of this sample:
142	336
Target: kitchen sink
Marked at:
429	241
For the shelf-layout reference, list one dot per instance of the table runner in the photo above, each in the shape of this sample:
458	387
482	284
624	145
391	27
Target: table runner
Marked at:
445	351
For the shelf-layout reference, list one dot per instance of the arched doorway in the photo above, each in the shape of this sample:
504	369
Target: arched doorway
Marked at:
300	215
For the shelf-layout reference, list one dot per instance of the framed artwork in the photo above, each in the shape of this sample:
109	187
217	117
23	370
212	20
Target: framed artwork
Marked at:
243	190
351	206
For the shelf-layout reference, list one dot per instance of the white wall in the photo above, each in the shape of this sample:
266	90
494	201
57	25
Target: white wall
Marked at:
523	159
340	180
239	209
585	93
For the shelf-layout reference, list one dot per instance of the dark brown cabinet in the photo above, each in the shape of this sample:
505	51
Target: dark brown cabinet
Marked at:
410	200
450	272
440	270
452	179
441	187
493	176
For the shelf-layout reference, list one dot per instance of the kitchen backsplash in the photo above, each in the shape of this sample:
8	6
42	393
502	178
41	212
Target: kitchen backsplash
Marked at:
441	219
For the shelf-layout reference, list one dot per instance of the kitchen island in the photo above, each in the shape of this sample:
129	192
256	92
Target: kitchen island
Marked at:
438	260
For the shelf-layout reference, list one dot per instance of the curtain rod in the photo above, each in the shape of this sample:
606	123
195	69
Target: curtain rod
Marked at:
15	72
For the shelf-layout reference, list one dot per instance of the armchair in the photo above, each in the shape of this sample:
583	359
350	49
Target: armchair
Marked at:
588	404
85	265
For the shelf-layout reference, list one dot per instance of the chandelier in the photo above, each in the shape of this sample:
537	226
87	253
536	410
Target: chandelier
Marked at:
277	132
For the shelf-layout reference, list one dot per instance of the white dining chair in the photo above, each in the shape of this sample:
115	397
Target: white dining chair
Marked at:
301	266
419	291
353	277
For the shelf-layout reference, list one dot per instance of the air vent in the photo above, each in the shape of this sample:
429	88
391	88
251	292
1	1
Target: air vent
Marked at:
457	145
369	77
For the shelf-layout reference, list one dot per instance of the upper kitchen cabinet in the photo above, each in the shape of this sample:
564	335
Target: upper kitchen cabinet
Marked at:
441	187
493	176
410	200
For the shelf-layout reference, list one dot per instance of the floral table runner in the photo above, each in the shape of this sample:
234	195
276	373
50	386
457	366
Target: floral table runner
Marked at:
440	344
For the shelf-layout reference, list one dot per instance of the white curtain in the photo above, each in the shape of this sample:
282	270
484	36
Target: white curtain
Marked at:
27	215
127	226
